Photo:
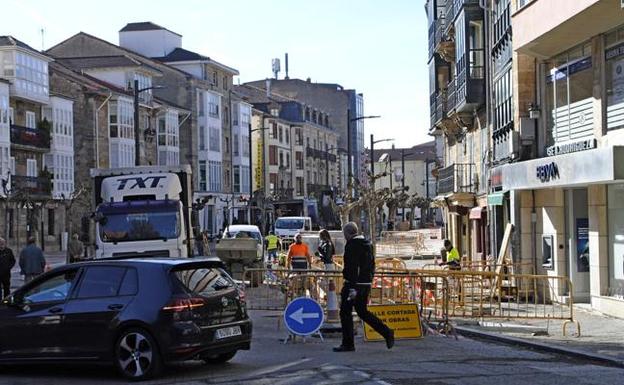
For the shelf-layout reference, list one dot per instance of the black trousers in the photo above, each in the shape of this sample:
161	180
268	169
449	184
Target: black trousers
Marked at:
5	281
346	317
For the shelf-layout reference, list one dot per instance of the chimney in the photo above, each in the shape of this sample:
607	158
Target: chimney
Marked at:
286	60
268	88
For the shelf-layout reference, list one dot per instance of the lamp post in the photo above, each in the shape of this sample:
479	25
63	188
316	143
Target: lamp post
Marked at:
403	155
372	158
251	165
349	150
137	133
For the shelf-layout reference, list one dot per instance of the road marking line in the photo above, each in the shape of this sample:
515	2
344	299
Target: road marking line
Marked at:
277	367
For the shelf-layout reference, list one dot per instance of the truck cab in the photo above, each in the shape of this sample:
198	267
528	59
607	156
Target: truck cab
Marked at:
288	227
142	211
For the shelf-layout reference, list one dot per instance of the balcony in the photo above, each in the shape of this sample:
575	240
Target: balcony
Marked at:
438	108
34	186
319	154
30	138
317	189
454	7
457	178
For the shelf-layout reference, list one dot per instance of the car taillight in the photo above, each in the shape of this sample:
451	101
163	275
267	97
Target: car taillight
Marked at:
183	304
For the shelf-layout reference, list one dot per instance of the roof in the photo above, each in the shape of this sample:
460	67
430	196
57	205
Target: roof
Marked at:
144	26
10	41
257	95
421	151
113	61
184	55
181	54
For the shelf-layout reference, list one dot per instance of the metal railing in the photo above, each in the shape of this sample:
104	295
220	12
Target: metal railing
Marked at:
33	137
451	100
458	177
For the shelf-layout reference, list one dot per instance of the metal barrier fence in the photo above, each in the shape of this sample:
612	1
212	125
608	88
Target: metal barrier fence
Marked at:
440	294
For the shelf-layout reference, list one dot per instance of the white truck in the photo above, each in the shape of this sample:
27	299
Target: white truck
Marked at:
288	227
143	211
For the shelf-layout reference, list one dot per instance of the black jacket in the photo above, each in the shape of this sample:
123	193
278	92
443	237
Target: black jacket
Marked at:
359	263
7	260
326	251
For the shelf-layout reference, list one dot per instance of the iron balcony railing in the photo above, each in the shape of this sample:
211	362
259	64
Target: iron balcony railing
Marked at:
437	104
432	38
31	185
32	137
458	177
451	92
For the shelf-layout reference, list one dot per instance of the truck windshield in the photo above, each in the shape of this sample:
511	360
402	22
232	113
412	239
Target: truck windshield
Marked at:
289	223
139	221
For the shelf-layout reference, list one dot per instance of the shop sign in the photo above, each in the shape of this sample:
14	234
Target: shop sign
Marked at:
547	172
567	148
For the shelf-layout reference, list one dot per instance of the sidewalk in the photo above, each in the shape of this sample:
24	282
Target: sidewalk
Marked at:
53	258
602	337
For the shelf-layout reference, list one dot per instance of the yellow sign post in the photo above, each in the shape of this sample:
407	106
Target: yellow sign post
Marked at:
403	319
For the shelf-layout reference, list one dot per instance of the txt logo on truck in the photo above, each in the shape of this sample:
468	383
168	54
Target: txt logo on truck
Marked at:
140	182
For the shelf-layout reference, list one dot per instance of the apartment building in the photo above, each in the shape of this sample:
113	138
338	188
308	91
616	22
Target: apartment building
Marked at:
344	109
459	120
565	191
36	148
195	84
295	154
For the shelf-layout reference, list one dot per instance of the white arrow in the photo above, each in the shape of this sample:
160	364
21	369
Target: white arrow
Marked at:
299	315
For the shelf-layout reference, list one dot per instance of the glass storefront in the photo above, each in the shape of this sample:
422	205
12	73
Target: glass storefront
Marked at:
614	60
615	201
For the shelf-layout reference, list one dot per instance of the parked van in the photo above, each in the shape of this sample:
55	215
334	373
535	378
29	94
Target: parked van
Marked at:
287	227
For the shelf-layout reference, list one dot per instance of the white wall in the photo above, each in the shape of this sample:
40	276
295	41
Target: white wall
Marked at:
115	77
192	69
152	43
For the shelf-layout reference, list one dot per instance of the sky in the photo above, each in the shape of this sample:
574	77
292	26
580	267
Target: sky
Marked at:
378	47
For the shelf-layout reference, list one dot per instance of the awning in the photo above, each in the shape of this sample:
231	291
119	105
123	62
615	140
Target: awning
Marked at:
476	213
496	199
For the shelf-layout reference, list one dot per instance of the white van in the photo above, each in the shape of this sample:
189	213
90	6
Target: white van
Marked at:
287	227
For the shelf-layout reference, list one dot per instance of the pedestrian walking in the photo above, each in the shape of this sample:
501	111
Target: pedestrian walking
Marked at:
31	260
7	261
272	245
299	257
358	272
75	249
326	250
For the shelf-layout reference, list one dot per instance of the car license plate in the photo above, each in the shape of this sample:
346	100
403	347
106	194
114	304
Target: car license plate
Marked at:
228	332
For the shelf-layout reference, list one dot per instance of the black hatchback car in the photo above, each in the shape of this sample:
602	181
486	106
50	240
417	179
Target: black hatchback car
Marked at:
139	314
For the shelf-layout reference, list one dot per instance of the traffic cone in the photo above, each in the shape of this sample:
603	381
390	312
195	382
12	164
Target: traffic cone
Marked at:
332	303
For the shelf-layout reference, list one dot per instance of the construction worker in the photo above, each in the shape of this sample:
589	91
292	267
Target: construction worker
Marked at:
453	261
272	245
299	257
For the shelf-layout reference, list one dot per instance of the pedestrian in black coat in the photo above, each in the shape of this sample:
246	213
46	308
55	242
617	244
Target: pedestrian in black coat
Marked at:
7	261
358	272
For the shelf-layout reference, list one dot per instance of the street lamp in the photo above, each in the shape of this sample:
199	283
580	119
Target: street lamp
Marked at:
372	153
251	166
349	152
137	133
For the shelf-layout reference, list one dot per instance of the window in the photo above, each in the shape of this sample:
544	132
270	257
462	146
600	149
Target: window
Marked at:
274	135
31	167
29	74
615	79
200	103
569	99
281	159
168	139
237	179
144	83
202	175
11	216
130	283
287	136
101	281
121	129
53	289
298	136
273	155
299	185
203	281
214	175
51	222
280	134
214	140
236	145
245	144
299	160
31	120
287	160
225	83
244	178
202	138
215	79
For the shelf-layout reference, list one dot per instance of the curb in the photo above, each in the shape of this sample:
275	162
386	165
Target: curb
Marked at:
467	332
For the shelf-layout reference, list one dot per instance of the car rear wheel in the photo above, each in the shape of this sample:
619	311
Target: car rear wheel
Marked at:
218	358
136	355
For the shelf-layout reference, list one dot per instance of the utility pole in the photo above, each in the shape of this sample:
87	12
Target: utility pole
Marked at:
137	131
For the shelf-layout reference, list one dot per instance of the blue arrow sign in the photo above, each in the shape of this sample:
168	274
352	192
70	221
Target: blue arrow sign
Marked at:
303	316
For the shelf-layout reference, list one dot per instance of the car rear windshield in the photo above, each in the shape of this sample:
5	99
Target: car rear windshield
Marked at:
289	224
203	280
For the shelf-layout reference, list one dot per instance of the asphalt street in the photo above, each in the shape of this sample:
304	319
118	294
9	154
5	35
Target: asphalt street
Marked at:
431	360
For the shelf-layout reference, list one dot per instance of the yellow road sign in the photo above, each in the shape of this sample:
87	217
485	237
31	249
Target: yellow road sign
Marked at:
403	319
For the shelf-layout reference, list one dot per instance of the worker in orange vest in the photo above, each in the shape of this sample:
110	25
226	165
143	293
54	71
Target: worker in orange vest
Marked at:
299	257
